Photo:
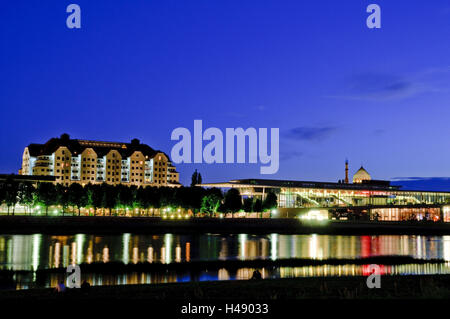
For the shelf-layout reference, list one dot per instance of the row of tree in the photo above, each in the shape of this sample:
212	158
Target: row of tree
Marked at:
111	199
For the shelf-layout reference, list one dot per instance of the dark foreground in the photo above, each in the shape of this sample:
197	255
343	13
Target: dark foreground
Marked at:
392	287
349	297
117	225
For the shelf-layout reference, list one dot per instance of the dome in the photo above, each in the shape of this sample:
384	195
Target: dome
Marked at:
361	175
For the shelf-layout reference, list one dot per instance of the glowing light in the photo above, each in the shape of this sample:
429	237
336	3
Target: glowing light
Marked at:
242	246
125	246
35	251
168	238
150	254
178	254
315	215
273	246
105	254
135	255
80	241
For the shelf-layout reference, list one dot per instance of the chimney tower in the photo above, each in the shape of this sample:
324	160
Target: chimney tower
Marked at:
346	171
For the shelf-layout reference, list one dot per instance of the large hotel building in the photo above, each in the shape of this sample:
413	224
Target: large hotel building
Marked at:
96	162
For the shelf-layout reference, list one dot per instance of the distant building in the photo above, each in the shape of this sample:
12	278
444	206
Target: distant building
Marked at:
361	176
96	162
376	199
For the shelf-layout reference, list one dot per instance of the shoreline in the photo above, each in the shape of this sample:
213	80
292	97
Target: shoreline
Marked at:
68	225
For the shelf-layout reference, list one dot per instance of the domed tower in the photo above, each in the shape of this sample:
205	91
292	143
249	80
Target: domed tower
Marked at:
361	175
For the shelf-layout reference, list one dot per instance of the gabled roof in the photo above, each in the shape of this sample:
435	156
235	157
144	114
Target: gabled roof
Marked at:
34	149
101	148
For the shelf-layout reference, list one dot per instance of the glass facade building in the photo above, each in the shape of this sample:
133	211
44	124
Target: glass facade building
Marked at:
383	200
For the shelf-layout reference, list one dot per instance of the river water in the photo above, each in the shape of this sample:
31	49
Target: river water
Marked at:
31	252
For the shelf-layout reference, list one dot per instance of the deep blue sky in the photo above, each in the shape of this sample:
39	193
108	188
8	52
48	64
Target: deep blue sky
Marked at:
141	68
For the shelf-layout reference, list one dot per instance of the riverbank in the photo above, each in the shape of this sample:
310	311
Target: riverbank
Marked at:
392	287
153	225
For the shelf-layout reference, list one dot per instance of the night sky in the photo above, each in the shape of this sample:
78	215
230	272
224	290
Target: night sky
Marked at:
335	88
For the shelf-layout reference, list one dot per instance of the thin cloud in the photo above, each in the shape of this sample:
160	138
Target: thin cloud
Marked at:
423	183
380	87
378	132
304	133
417	178
288	155
237	115
383	86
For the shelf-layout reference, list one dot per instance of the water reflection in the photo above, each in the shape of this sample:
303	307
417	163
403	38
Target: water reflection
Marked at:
25	282
32	252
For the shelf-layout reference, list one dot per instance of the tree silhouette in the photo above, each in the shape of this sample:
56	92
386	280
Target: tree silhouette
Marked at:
194	178
77	196
94	196
233	201
257	206
270	202
11	193
248	205
109	197
62	197
114	199
46	195
210	204
26	195
2	192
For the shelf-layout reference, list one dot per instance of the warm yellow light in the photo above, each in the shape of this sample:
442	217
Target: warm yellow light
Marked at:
315	215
